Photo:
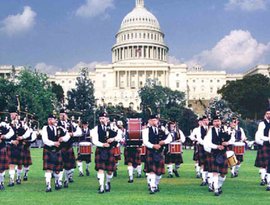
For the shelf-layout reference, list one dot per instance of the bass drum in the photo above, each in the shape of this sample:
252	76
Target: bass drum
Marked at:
134	132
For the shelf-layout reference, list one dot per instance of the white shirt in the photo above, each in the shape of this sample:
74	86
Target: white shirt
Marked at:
45	138
197	132
182	136
145	136
232	132
94	134
10	132
260	133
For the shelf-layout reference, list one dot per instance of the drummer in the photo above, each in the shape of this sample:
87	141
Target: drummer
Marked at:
84	138
176	159
240	137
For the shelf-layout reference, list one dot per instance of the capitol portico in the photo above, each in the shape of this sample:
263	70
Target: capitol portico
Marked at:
140	53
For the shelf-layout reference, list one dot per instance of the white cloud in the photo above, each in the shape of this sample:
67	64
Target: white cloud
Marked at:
173	60
93	8
48	69
91	66
15	24
235	51
246	5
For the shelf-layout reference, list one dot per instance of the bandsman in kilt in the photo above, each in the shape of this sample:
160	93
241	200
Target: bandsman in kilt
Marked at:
69	159
216	141
105	139
240	136
154	138
6	132
263	160
132	160
200	134
117	155
15	146
52	154
193	138
85	137
176	159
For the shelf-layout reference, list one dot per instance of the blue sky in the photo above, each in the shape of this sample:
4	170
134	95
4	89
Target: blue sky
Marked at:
232	35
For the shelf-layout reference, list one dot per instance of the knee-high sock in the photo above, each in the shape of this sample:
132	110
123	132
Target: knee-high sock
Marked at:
262	173
221	181
70	173
48	177
19	173
139	169
152	178
210	179
158	178
88	165
108	178
2	178
130	172
12	175
80	166
26	170
237	167
233	170
170	168
268	179
57	178
197	167
101	177
204	176
148	178
60	176
215	182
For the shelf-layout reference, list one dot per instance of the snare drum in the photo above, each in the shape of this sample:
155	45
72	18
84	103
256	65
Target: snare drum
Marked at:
143	150
85	148
175	148
232	161
239	148
116	151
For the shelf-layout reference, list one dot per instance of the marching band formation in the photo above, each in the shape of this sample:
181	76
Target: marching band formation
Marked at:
148	146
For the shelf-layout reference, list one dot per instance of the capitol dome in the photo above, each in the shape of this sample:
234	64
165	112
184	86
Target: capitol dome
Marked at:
139	37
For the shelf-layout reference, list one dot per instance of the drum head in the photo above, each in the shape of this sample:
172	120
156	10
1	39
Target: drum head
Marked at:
239	144
85	144
229	153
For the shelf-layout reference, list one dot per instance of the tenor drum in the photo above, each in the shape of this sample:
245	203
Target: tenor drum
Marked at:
175	148
239	148
232	161
143	150
134	138
116	151
85	148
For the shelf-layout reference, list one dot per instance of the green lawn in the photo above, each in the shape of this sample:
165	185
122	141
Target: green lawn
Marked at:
184	190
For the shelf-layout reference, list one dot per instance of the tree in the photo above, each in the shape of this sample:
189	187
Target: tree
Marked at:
82	99
59	92
248	96
7	90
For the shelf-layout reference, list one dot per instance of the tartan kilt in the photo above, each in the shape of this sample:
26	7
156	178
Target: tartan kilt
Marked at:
263	156
201	155
158	167
105	164
240	158
85	157
258	157
213	167
173	158
52	163
4	160
69	160
27	160
132	155
196	153
143	158
117	158
15	154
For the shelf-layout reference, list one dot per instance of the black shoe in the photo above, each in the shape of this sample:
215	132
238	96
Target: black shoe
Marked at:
70	180
87	172
130	181
25	178
81	174
152	192
11	184
2	187
115	174
100	191
157	189
18	181
232	175
176	173
216	194
198	175
65	184
262	182
236	175
203	184
48	189
268	188
220	190
108	187
57	186
210	190
170	176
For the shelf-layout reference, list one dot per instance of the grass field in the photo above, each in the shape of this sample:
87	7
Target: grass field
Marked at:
184	190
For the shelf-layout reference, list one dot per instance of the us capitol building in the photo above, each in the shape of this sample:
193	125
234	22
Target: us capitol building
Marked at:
140	53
